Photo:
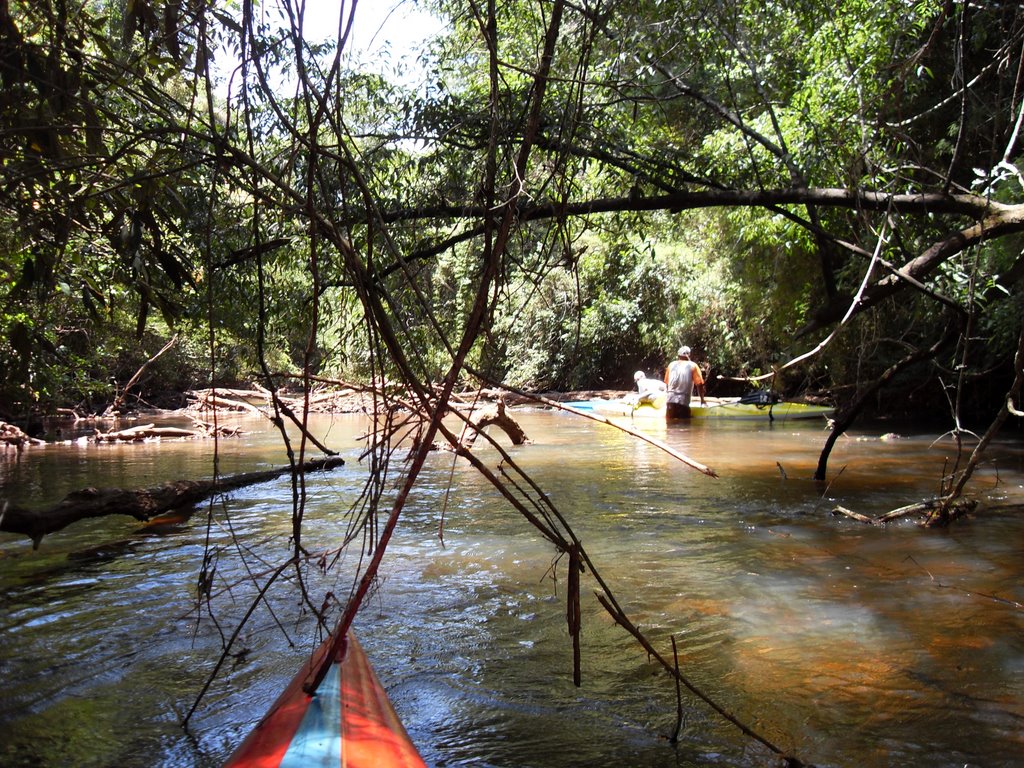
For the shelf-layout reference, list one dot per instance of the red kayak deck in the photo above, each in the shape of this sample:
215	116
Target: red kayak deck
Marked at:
349	722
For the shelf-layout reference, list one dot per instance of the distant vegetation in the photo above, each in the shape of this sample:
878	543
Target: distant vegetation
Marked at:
728	177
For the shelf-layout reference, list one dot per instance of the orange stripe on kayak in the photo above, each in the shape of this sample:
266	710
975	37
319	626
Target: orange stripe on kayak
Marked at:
372	736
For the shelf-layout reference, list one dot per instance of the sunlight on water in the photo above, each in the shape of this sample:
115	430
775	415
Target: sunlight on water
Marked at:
845	644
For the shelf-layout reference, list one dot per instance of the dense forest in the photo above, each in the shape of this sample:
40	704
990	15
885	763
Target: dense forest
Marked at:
817	197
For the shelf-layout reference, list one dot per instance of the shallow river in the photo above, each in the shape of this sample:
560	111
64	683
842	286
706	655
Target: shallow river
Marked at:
840	643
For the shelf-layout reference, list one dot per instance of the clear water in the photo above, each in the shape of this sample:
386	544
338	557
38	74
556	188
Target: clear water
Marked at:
843	644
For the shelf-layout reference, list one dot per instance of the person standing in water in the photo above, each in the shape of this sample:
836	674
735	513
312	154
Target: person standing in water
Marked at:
681	378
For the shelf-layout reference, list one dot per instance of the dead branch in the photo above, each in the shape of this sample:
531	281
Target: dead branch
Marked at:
840	510
498	416
630	431
212	398
546	518
599	418
997	423
119	400
954	508
845	418
141	504
239	401
201	429
620	618
218	430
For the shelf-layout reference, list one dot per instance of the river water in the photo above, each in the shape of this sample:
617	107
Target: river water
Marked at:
840	643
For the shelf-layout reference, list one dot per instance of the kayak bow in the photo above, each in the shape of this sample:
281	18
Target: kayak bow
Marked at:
348	722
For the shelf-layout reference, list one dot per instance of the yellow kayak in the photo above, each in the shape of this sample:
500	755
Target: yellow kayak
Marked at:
714	408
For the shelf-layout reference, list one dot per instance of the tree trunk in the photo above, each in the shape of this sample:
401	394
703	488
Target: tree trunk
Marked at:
141	504
845	418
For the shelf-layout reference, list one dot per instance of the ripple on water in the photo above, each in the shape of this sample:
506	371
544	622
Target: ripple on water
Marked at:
900	646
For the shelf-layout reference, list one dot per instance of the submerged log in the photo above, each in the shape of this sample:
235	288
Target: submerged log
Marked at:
141	504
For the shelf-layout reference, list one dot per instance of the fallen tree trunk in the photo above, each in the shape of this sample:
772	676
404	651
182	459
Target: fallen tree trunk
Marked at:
144	432
141	504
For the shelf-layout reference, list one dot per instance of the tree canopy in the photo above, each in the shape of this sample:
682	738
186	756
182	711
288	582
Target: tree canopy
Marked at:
567	189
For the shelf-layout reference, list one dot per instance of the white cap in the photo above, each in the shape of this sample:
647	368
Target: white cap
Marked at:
684	350
639	375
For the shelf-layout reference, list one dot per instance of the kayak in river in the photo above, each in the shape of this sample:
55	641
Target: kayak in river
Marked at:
348	722
714	408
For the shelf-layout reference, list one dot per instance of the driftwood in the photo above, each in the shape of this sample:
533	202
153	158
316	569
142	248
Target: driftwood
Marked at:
217	430
497	416
143	432
200	429
938	511
141	504
217	402
119	400
11	435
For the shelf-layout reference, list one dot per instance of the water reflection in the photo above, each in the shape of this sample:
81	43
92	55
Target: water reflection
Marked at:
847	645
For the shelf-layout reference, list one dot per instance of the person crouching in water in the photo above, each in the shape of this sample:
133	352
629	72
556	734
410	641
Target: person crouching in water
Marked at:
648	390
681	378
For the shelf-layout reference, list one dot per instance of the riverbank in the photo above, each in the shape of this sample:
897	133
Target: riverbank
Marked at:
198	404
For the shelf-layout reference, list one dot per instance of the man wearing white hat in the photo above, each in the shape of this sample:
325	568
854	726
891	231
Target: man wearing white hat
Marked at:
648	390
682	376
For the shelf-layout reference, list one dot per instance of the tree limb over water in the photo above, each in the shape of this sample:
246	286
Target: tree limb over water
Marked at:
143	504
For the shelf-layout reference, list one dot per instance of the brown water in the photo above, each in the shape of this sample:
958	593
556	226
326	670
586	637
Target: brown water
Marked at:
846	645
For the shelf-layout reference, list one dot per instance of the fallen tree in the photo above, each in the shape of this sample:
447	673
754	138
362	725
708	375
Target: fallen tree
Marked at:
152	432
495	415
142	504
